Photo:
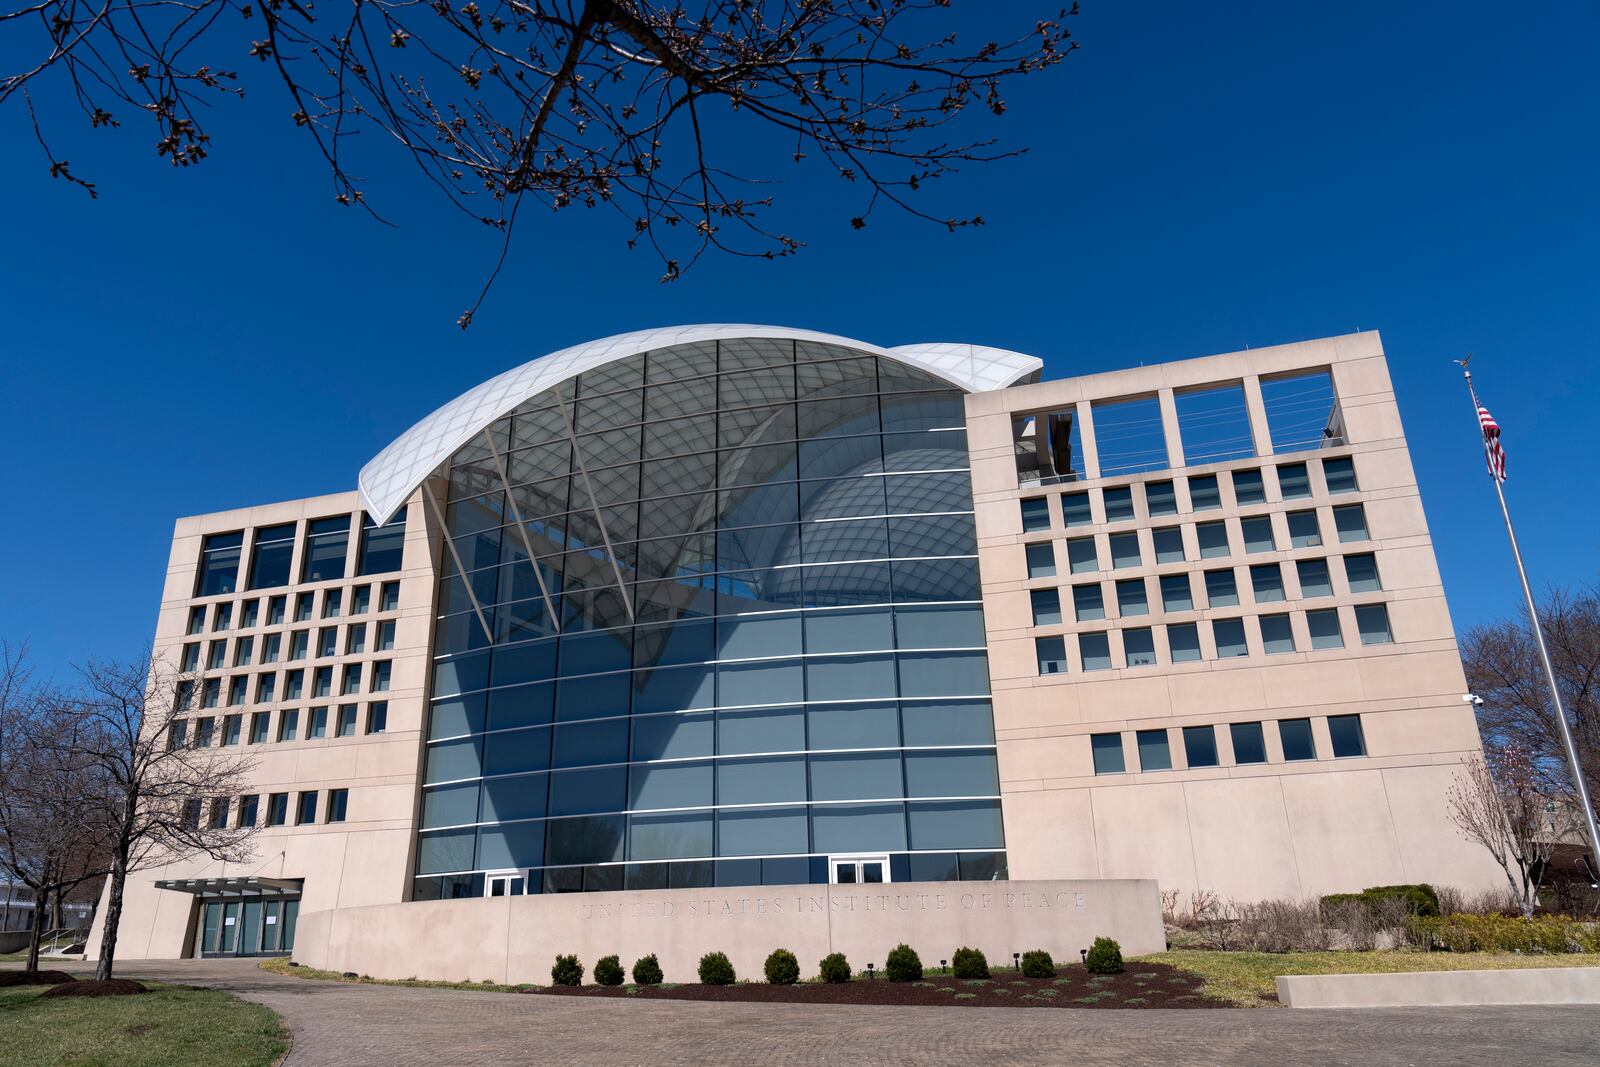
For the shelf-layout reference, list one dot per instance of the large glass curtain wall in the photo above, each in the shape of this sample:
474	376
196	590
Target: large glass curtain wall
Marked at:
753	639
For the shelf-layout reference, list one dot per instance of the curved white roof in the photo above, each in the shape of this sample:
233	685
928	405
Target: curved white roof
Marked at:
391	476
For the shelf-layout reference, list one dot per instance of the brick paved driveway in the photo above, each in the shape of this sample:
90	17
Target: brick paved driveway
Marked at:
350	1025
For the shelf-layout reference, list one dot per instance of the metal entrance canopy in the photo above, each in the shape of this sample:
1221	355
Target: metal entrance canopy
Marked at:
235	887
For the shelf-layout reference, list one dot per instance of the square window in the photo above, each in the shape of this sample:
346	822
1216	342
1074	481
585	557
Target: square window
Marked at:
223	618
1119	503
1130	435
1051	654
355	641
1131	598
1160	498
293	683
338	800
1139	647
389	600
1168	544
249	809
1266	581
1304	532
1313	574
275	608
347	721
386	636
1107	749
1249	743
1212	538
191	658
1345	733
1361	573
1276	634
322	682
1248	488
277	809
1222	590
1351	522
1372	621
1094	649
1340	475
1200	746
352	680
1087	603
1035	514
1075	509
271	647
1176	594
266	688
306	810
237	687
378	717
1155	754
361	600
1046	606
1293	481
1183	642
1257	532
1081	556
302	608
299	642
1203	493
288	725
204	732
1041	560
317	727
1125	551
247	618
1229	636
197	620
230	730
327	641
216	655
1323	626
380	675
1295	735
332	603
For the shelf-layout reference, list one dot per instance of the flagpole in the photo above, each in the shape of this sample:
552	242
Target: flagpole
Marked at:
1538	636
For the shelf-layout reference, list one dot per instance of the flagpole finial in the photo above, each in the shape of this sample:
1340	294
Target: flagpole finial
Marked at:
1462	363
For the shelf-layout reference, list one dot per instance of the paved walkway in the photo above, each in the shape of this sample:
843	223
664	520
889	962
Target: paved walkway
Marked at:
349	1025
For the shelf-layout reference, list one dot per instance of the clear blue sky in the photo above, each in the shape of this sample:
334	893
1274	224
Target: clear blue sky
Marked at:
1203	177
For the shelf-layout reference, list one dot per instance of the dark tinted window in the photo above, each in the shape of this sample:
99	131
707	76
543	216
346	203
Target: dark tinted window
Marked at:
219	565
269	561
1345	733
326	542
1200	746
1295	735
1249	744
381	546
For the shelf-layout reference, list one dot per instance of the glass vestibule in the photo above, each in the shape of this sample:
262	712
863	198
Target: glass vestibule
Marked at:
247	926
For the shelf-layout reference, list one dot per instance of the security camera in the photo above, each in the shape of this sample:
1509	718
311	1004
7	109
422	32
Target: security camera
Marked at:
1472	698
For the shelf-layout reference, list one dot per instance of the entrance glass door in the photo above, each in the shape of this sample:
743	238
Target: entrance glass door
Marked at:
506	884
858	870
249	927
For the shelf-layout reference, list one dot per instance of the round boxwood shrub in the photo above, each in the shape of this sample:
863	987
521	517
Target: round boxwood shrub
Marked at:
834	968
1035	964
647	970
715	969
902	964
567	971
969	963
1105	957
782	968
608	970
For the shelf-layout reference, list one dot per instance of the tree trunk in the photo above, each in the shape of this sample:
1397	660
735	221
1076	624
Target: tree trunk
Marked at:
108	932
35	932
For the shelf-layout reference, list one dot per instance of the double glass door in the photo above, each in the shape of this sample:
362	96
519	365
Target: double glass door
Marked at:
506	884
854	870
250	926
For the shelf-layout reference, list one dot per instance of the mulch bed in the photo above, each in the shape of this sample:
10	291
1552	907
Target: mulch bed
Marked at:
16	978
113	987
1142	985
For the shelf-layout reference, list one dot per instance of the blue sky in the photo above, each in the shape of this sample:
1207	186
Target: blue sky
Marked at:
1200	180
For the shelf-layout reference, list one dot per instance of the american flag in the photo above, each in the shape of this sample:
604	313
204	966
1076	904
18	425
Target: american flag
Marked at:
1492	450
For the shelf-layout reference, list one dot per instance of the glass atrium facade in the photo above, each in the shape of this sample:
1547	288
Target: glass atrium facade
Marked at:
724	625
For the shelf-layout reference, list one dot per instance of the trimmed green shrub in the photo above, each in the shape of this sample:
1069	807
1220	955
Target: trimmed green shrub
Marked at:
1506	933
969	963
716	969
1105	957
902	964
782	968
567	971
1038	964
647	970
608	971
834	968
1419	899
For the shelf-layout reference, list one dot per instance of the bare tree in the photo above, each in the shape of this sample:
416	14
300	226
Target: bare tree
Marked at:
1503	667
51	841
163	798
1504	805
625	104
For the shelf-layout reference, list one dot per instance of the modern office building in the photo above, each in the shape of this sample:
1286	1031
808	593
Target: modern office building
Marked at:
720	607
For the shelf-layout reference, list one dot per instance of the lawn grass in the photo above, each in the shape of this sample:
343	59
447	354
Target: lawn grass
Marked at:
170	1026
279	965
1247	978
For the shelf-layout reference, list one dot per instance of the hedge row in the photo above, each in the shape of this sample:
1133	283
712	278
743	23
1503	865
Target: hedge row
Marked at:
1419	899
1505	933
782	968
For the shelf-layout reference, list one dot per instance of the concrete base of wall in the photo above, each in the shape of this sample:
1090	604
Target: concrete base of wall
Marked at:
516	939
1429	989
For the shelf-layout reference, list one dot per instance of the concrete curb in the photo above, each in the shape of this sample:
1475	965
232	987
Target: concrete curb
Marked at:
1426	989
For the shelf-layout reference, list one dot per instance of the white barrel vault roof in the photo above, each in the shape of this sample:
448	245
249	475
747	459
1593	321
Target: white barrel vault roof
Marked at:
391	476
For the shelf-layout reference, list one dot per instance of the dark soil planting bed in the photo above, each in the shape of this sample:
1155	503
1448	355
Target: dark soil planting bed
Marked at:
1142	985
16	978
113	987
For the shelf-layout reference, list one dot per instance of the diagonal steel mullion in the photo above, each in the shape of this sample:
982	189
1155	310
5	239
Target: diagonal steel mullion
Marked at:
594	503
522	529
449	542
